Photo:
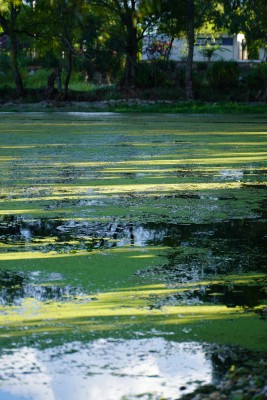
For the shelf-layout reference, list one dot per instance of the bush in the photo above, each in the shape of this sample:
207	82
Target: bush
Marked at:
150	75
224	74
162	93
144	76
256	79
180	76
202	66
5	65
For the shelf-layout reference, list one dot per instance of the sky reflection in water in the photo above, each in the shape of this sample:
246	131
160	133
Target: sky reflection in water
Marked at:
104	369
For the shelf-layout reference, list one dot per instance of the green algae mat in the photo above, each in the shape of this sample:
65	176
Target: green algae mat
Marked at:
132	253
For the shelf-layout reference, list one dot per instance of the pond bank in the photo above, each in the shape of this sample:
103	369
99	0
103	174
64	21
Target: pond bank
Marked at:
137	105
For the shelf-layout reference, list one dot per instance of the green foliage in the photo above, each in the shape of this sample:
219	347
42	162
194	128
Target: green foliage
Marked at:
253	49
209	50
224	74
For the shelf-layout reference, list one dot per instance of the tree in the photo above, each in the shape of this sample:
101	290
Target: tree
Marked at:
247	16
102	43
135	20
170	26
9	15
199	13
187	16
190	18
60	27
179	17
254	22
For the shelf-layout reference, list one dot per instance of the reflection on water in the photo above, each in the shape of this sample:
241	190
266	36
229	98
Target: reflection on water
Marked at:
240	235
15	286
108	370
195	251
199	250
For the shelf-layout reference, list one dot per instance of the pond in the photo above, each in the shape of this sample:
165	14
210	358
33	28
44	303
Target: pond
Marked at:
133	257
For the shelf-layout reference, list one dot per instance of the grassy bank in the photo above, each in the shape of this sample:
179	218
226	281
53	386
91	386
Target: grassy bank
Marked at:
193	108
138	106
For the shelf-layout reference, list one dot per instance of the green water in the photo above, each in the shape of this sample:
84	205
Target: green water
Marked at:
132	252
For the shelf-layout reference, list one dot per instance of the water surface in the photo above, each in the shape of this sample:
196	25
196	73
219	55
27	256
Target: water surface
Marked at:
132	252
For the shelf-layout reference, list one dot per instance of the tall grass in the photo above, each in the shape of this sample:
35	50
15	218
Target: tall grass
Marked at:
78	83
36	79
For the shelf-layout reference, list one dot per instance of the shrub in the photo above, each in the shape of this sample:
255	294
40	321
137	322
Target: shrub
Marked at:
202	66
144	75
256	79
180	75
5	65
150	75
159	77
224	74
162	93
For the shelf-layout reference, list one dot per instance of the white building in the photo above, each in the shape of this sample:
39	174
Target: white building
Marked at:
224	47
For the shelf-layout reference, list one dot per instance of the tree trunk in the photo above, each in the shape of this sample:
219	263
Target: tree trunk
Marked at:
68	73
168	53
50	89
51	80
59	82
131	58
191	40
15	68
